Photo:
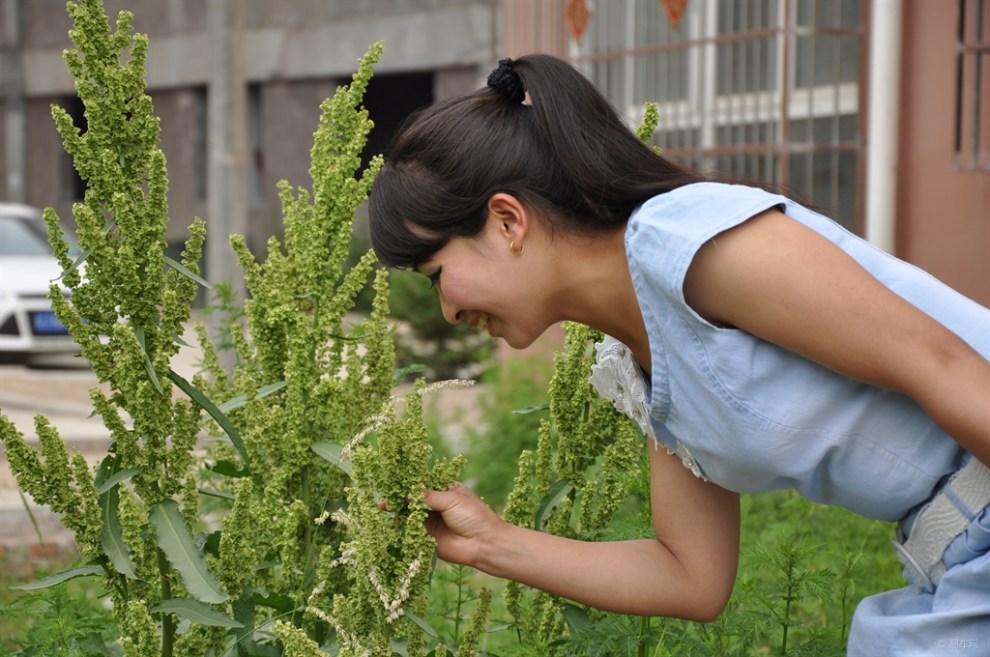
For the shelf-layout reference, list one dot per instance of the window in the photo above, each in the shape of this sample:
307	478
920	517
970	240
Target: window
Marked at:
765	89
72	185
972	120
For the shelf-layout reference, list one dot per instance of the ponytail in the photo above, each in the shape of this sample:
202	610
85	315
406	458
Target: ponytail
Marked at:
539	131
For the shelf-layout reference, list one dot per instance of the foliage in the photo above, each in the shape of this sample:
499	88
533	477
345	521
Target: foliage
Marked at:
520	385
448	350
234	553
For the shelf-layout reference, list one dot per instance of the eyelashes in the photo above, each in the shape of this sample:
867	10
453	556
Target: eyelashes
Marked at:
435	278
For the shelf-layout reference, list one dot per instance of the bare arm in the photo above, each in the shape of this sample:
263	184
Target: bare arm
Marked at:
777	279
687	571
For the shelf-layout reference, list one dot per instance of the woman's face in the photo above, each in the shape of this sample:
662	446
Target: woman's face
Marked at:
480	280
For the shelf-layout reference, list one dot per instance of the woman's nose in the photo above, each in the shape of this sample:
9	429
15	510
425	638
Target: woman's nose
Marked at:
450	313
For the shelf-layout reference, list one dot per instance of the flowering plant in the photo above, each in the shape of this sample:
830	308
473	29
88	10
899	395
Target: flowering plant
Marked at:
226	503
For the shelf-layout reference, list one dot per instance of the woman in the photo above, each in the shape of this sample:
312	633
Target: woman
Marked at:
770	349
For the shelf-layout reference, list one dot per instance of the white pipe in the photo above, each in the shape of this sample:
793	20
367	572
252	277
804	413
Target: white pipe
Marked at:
882	122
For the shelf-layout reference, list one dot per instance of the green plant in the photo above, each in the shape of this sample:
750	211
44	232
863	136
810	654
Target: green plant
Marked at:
446	350
511	409
234	553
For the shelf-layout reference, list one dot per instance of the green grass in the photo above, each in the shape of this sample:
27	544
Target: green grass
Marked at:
803	569
69	620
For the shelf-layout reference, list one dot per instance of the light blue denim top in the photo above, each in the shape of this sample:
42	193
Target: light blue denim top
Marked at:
757	417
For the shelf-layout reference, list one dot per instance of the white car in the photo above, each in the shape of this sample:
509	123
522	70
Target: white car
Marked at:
27	268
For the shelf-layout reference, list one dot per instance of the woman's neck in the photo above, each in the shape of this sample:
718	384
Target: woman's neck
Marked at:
597	290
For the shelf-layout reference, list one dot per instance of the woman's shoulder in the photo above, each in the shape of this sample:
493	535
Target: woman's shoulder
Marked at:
707	199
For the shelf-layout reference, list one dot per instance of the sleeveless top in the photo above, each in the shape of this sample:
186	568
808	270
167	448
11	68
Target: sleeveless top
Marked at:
751	416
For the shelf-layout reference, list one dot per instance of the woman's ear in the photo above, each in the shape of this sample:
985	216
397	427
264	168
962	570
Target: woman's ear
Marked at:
510	216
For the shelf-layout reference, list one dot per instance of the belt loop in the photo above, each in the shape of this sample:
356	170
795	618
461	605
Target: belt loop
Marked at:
940	522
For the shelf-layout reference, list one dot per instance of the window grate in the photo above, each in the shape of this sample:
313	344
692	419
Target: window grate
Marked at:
972	119
765	89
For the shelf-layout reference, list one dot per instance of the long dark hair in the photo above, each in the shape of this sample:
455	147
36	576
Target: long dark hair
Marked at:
567	154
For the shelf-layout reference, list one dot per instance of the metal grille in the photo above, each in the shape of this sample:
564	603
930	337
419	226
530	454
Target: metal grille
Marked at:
765	89
972	120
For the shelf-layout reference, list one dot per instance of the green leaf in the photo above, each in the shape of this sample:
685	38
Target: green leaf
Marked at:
58	578
177	543
115	479
107	227
243	609
241	400
334	454
423	625
149	368
194	611
403	372
217	493
555	495
228	469
185	271
204	402
576	617
277	601
113	540
532	409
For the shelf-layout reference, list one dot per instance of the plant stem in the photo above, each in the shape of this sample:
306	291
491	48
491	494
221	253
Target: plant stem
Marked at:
168	621
644	628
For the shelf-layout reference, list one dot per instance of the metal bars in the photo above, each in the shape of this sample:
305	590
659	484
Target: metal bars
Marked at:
972	115
764	89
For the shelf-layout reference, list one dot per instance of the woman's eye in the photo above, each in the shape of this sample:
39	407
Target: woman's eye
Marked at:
435	278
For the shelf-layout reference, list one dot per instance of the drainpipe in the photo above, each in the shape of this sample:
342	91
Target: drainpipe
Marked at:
882	122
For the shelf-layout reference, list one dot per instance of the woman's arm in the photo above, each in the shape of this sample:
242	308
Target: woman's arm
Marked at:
687	571
778	279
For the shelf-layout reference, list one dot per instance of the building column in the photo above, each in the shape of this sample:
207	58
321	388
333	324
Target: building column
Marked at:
14	156
227	150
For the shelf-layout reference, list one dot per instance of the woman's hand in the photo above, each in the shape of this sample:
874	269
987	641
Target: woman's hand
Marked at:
687	571
461	524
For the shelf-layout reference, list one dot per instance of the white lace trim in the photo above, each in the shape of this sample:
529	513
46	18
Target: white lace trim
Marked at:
616	376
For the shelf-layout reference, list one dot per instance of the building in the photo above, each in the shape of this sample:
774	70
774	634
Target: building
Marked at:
876	111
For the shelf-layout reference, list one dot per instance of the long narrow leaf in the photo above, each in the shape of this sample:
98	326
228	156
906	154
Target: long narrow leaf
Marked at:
185	271
335	454
423	625
115	479
558	491
204	402
194	611
107	227
241	400
177	543
243	609
113	539
139	334
58	578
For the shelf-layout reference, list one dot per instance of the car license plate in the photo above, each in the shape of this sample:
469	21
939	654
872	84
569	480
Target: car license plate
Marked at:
45	323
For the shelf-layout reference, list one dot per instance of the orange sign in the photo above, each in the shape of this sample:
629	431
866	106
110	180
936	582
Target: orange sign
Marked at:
578	16
675	11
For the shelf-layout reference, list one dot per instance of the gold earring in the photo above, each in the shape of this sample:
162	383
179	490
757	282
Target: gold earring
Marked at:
512	245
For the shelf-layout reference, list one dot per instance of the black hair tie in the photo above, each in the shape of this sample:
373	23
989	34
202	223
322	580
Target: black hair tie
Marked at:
506	81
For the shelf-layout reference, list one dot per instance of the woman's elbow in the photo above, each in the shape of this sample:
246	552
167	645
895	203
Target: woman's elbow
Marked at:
708	601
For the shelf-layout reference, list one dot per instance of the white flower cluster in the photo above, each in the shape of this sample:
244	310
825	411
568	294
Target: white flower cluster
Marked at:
393	605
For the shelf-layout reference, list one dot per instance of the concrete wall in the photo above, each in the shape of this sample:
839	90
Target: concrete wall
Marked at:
943	210
295	53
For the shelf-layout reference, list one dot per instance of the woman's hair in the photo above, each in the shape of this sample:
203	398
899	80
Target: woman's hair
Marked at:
563	151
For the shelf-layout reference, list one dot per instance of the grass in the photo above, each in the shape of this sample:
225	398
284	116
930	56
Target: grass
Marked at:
803	568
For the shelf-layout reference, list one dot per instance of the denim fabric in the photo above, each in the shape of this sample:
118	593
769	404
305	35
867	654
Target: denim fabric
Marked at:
954	619
756	417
